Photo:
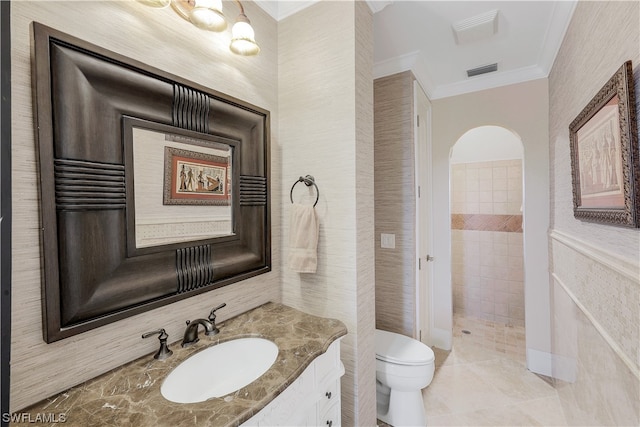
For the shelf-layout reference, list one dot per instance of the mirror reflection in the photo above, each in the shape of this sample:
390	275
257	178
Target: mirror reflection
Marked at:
182	188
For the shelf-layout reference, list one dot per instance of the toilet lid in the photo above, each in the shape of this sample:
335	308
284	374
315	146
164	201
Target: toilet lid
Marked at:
402	350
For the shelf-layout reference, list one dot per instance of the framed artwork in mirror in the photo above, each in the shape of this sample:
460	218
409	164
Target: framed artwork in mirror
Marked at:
196	178
605	162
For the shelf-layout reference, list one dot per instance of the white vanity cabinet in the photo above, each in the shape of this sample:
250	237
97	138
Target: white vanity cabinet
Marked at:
313	399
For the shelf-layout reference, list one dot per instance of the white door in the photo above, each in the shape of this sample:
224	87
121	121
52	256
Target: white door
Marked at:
424	244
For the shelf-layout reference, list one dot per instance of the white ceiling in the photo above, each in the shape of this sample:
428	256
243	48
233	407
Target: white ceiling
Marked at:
418	36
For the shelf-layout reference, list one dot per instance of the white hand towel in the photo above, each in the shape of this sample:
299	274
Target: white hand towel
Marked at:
303	239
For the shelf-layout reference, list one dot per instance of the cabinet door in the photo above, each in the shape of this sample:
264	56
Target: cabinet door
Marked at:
313	399
291	406
328	365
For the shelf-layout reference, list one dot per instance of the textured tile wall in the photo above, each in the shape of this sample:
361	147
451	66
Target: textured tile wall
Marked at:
493	188
395	203
595	267
486	241
163	40
326	130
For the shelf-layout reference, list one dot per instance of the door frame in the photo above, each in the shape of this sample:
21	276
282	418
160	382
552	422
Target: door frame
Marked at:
424	217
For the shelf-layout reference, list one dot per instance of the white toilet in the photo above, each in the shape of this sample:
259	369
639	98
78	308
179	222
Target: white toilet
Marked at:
404	367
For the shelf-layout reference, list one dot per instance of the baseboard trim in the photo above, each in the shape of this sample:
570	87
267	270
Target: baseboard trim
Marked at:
442	338
551	365
564	368
540	362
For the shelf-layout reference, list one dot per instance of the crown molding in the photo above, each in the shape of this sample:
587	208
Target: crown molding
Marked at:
395	65
280	9
377	5
416	62
558	26
271	7
490	81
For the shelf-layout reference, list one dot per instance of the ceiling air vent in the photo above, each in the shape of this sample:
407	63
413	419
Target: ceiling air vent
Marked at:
476	28
482	70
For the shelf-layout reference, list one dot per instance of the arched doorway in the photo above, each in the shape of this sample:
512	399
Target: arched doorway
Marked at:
487	256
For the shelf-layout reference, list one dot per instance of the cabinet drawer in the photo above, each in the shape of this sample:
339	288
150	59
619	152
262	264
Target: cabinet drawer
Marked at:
331	416
330	393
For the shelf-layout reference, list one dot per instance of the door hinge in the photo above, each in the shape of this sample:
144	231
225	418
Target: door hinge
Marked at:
418	191
418	120
419	263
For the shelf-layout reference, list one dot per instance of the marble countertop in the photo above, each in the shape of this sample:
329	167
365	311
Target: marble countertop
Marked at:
130	395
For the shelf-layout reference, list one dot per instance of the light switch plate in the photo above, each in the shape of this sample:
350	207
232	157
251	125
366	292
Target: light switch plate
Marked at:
387	241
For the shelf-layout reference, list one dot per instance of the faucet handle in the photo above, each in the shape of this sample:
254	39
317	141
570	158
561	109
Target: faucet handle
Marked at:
212	315
212	318
163	352
163	334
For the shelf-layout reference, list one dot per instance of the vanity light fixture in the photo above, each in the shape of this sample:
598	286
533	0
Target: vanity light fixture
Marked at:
207	15
243	40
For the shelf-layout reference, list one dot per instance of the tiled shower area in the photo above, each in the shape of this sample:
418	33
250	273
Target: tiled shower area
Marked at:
486	240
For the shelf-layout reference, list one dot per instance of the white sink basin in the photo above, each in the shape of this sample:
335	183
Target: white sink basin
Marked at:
219	370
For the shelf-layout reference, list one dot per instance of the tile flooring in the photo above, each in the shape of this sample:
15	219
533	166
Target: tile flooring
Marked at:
483	381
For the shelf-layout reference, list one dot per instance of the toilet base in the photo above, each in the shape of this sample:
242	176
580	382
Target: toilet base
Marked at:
406	409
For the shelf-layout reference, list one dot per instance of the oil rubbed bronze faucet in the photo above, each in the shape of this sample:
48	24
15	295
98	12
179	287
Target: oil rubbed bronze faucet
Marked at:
191	333
164	351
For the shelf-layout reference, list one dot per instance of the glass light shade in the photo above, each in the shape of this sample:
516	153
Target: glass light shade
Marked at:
207	14
243	38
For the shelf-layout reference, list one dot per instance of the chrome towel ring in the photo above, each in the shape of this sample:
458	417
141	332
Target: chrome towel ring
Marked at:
308	181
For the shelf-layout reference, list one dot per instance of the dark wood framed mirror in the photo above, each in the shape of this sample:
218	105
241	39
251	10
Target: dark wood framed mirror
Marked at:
153	188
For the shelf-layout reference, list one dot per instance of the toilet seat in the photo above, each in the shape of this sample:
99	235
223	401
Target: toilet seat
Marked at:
402	350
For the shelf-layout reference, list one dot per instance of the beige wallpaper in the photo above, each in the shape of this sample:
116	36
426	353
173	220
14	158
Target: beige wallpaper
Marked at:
595	267
601	37
395	203
163	40
366	396
325	99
